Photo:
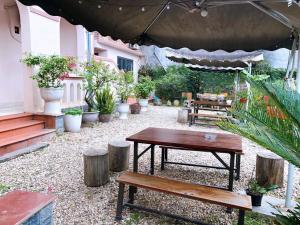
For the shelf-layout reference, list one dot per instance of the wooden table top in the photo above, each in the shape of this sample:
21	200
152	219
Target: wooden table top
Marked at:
194	140
211	103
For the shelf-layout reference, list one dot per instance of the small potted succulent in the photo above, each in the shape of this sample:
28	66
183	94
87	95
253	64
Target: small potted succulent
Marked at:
105	104
97	75
72	120
125	89
257	192
142	91
50	73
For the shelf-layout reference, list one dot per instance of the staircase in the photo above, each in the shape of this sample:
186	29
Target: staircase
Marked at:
19	132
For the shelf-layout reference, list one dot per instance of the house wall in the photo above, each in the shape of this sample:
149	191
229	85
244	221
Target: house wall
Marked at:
11	77
68	38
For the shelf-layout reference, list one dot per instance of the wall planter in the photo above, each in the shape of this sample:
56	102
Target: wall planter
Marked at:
123	110
90	117
72	120
52	98
144	104
105	118
135	108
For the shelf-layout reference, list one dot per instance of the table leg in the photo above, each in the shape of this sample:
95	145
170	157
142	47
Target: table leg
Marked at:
238	167
152	160
162	163
132	189
231	171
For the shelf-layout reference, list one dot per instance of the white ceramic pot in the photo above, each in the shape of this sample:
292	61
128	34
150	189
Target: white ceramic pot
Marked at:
73	123
89	117
52	98
123	109
144	104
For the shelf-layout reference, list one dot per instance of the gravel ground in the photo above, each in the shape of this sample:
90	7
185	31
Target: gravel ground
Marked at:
60	168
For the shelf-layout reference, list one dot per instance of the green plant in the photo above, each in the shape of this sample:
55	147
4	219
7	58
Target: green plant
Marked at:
255	188
105	100
252	218
73	112
144	87
3	188
278	132
291	218
52	69
97	75
125	82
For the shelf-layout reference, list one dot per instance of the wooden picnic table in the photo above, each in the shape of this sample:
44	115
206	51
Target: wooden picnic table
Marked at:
189	141
199	103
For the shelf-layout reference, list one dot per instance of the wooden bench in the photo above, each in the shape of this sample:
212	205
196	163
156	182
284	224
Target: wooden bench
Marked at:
178	188
164	160
193	116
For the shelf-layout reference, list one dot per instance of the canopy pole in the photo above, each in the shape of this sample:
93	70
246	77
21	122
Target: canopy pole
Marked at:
89	52
291	171
248	85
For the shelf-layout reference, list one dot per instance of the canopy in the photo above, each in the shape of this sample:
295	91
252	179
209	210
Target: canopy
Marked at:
204	24
216	59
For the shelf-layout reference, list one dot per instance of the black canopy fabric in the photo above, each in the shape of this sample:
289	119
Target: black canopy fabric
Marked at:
230	25
216	59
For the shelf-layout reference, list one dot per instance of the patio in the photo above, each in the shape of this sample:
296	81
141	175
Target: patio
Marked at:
59	169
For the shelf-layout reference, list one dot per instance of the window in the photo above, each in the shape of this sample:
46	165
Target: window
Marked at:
125	64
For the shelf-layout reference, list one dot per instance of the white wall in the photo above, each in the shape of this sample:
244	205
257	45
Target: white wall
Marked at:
278	58
68	39
11	77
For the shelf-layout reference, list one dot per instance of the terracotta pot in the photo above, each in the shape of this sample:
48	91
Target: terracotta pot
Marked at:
135	108
243	100
105	118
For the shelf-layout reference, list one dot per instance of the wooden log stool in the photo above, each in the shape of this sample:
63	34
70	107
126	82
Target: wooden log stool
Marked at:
183	115
269	169
118	151
96	172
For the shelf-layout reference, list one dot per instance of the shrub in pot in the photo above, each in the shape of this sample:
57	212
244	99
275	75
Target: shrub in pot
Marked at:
72	120
105	104
142	91
97	75
51	71
135	108
257	192
125	88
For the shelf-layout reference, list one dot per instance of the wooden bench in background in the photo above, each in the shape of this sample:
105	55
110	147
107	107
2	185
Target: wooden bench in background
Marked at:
182	189
194	116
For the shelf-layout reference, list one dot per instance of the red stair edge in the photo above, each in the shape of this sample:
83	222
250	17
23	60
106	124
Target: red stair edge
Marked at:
21	124
15	116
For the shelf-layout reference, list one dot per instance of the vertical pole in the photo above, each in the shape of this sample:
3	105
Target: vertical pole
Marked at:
291	172
248	86
89	52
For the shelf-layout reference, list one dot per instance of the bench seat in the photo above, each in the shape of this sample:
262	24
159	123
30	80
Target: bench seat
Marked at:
186	190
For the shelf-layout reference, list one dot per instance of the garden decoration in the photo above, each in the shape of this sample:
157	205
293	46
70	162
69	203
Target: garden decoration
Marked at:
72	120
143	90
97	75
125	89
51	71
105	104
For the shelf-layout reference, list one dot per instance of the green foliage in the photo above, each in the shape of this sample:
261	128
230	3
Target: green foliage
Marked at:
265	69
255	188
3	188
154	72
52	69
279	131
105	100
292	218
134	219
144	87
97	75
73	112
252	218
125	82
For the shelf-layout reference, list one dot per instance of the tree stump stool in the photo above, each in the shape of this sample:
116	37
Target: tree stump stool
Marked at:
269	169
118	155
96	171
183	116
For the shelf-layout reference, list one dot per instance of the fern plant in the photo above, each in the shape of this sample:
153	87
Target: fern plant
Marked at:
273	124
105	101
292	218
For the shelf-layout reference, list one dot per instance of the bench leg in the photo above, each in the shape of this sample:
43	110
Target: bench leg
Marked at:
131	192
152	160
120	202
191	121
238	167
162	164
166	154
241	218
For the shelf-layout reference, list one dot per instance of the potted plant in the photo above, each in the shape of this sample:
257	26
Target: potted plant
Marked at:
51	71
257	192
105	104
143	90
96	74
72	120
135	108
125	88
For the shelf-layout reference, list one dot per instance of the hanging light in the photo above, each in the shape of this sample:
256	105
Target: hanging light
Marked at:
197	3
143	9
99	6
80	2
120	8
168	6
204	12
